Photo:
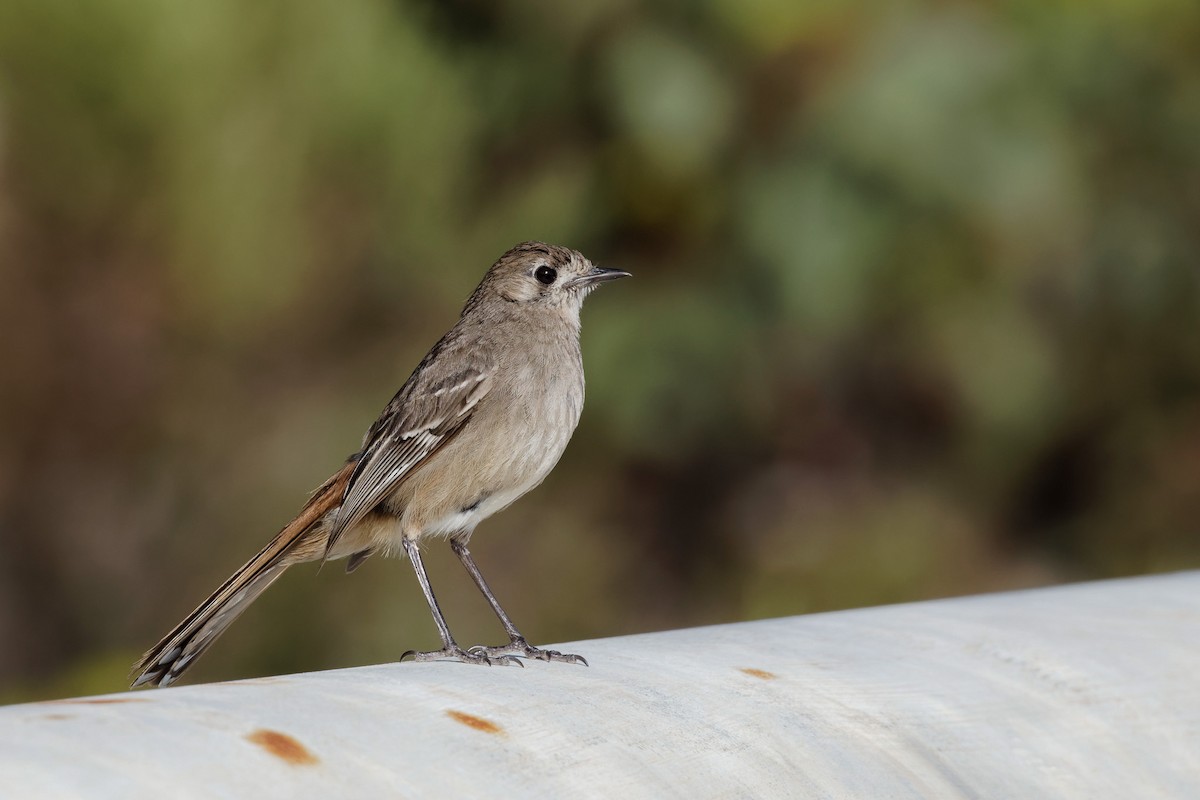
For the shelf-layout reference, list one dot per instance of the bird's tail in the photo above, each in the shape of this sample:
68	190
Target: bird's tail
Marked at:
175	652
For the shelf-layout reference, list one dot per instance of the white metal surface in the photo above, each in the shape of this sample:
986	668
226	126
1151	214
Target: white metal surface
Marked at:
1086	691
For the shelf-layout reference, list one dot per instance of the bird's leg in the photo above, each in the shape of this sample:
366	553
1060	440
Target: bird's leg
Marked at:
516	644
450	648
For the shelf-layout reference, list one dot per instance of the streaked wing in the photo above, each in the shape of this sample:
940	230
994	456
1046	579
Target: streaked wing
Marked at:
420	420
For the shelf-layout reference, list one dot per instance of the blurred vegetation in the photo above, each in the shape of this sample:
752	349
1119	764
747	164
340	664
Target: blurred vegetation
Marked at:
915	308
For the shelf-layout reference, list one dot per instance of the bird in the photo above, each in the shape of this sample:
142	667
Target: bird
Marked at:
482	420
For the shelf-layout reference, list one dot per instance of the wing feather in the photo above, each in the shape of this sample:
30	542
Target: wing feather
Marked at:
419	421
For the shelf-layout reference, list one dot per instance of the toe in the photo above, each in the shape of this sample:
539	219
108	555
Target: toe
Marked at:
507	661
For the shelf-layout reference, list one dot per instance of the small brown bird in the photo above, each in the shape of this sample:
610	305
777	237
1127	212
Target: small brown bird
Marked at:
481	421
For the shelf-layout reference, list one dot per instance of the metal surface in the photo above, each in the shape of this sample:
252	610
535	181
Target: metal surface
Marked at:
1087	691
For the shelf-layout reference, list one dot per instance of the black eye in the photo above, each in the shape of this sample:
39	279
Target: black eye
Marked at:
545	275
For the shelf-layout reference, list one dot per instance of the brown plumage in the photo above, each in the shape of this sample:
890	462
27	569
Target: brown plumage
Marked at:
483	419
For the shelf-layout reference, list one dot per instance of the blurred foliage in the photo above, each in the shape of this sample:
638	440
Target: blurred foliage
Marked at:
915	308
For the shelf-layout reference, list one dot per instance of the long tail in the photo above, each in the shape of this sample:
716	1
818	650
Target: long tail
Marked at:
166	661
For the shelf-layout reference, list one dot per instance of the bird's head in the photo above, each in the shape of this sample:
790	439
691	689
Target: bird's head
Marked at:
542	277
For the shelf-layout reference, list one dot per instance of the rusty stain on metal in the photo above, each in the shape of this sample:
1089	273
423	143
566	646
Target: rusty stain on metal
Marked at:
282	746
761	674
102	701
472	721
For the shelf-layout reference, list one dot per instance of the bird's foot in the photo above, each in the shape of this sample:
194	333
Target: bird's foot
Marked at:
456	653
522	648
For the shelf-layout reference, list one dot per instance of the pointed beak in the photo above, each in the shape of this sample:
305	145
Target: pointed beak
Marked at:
598	275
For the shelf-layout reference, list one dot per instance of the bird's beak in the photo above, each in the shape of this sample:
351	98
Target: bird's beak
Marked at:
597	275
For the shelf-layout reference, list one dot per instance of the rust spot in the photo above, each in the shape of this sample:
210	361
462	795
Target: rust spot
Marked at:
761	674
282	746
58	716
478	723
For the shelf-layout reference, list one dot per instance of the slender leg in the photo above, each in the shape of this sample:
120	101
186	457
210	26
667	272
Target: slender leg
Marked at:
516	644
450	648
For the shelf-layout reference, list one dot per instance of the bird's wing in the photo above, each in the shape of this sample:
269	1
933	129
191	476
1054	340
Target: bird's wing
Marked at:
423	417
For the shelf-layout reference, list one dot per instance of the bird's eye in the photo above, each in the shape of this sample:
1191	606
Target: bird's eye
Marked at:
545	275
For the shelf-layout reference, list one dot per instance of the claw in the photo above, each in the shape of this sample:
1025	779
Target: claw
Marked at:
570	658
523	649
456	653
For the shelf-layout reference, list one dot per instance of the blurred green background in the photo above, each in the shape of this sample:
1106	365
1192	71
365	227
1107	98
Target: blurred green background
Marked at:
915	307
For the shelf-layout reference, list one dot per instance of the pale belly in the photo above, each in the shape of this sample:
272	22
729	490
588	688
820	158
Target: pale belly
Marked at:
457	489
466	520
